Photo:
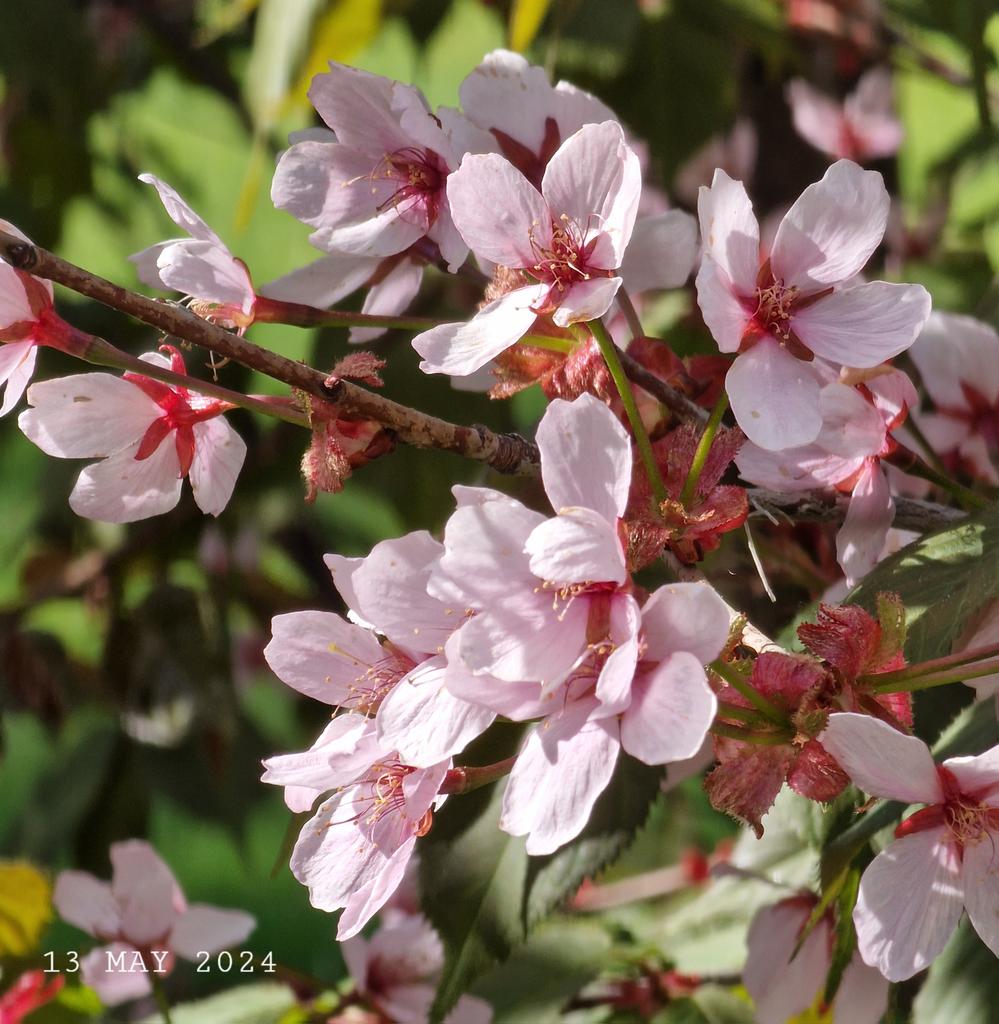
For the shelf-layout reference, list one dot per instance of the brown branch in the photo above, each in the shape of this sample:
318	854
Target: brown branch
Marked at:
677	402
507	453
830	507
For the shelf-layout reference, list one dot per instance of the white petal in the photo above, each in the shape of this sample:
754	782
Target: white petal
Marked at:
585	457
724	313
218	457
685	617
868	519
952	349
851	425
87	415
17	364
180	212
389	297
730	232
211	929
981	888
460	349
775	397
910	901
324	281
863	995
586	300
881	760
662	252
577	546
830	232
122	489
206	271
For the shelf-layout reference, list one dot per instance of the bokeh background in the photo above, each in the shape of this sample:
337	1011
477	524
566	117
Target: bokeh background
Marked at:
134	695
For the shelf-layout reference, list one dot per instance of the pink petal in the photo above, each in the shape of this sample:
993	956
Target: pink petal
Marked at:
460	349
794	469
357	105
817	118
87	415
114	986
562	768
951	349
207	272
497	211
864	325
672	708
17	364
687	617
981	888
313	180
944	433
86	902
343	752
424	721
519	700
774	396
730	232
390	590
586	301
614	683
783	987
662	252
881	760
146	891
122	489
724	314
585	457
870	112
851	425
218	457
324	657
865	527
863	995
830	232
978	775
324	281
211	929
363	903
594	180
910	901
180	212
14	304
577	546
389	297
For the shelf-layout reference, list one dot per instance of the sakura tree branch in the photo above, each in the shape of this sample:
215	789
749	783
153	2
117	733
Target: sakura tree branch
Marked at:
506	453
677	402
830	507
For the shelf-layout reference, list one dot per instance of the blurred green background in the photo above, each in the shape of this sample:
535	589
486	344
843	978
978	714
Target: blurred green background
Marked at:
135	699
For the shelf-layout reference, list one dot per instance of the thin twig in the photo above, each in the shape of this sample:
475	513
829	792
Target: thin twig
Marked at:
830	507
677	402
507	453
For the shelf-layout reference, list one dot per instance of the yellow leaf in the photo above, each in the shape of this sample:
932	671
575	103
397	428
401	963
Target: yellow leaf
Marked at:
341	33
25	907
526	17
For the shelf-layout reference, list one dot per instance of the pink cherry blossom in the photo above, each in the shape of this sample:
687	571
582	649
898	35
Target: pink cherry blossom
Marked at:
651	699
141	911
780	315
855	436
378	186
862	127
733	152
397	970
958	361
352	854
565	243
784	984
945	857
148	435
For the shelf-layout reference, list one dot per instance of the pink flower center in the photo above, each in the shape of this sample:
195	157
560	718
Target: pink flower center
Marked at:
967	818
419	176
772	309
374	679
562	261
181	411
386	795
980	414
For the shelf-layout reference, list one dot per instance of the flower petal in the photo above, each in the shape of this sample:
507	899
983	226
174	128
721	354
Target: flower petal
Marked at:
851	425
685	617
952	350
218	457
180	212
585	457
17	364
206	271
775	397
863	995
662	252
115	984
122	489
563	767
981	888
865	527
881	760
724	314
910	901
324	281
831	230
730	232
389	297
576	546
461	349
86	902
672	708
865	325
586	300
146	891
211	929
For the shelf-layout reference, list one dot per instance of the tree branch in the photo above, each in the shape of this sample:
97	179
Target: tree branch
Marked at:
677	402
830	507
506	453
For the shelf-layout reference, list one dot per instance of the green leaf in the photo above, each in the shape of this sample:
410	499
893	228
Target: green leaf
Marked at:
962	984
943	579
539	978
262	1003
484	894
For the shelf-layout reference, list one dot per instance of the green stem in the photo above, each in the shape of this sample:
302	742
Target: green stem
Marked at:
160	996
703	450
747	715
768	738
742	686
930	668
103	353
908	461
923	441
609	351
563	345
298	314
925	682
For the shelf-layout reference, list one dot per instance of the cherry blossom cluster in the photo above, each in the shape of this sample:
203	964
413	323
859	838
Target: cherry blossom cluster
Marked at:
537	617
